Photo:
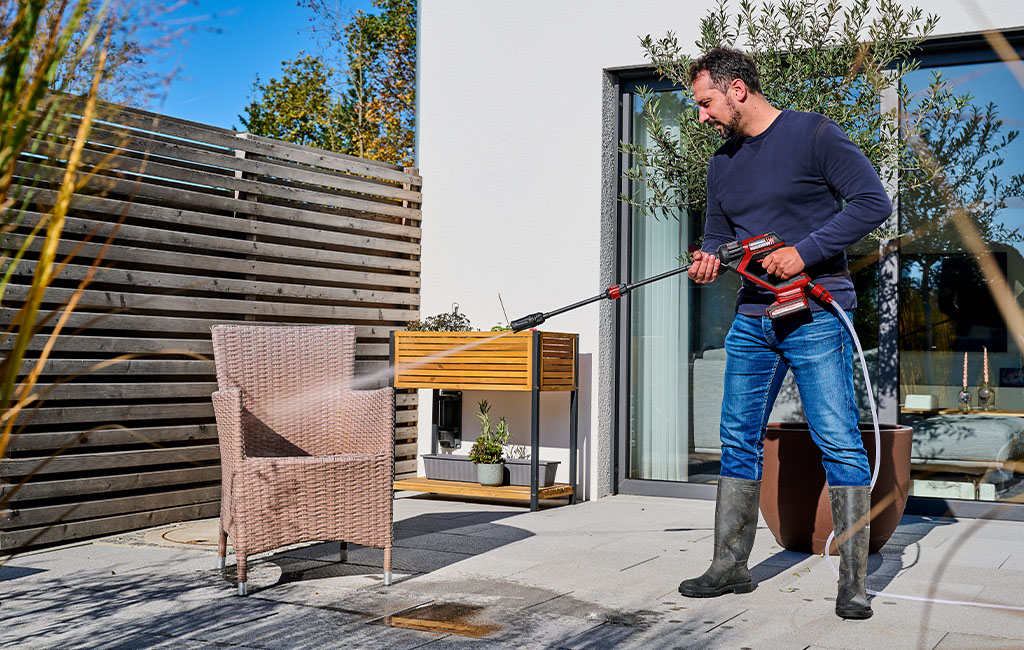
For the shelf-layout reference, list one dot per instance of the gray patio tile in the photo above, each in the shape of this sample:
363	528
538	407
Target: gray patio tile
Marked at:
487	566
298	626
657	636
965	555
501	595
568	568
885	629
456	543
945	590
500	529
957	641
777	556
939	573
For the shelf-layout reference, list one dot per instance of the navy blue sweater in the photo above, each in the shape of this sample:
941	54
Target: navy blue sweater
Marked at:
793	179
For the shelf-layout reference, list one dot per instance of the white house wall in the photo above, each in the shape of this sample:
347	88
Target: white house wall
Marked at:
513	105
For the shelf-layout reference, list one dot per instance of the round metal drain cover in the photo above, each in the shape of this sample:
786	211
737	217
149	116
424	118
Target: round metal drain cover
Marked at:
200	533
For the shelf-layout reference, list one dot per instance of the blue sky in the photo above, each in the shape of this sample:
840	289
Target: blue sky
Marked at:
234	40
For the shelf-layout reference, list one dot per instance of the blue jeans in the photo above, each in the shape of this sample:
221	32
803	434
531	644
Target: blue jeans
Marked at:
819	350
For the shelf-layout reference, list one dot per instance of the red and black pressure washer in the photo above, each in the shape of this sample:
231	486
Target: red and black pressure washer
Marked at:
743	257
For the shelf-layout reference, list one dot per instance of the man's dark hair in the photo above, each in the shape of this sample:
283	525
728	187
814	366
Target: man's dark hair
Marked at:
725	64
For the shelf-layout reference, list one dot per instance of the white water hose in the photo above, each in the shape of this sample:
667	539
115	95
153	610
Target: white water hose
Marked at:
874	478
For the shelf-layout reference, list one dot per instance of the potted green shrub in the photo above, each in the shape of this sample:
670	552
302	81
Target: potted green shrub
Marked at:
488	450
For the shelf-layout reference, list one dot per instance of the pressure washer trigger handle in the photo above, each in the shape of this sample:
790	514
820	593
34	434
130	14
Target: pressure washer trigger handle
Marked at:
730	253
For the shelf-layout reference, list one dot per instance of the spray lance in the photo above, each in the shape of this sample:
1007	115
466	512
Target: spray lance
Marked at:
743	257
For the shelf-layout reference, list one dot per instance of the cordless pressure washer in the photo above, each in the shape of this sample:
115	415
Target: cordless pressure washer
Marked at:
743	257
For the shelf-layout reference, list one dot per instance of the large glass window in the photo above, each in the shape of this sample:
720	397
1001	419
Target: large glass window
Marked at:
950	326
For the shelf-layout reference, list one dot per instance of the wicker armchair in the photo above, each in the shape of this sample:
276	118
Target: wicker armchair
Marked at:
303	457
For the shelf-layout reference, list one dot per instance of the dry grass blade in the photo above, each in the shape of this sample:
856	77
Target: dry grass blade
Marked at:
44	268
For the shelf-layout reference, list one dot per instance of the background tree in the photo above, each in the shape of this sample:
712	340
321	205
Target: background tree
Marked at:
299	107
361	84
967	147
378	109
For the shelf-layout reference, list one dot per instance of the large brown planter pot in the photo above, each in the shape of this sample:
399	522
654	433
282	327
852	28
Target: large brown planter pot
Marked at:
794	494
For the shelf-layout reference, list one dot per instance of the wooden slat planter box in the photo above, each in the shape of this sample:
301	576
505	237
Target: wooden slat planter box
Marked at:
479	361
524	361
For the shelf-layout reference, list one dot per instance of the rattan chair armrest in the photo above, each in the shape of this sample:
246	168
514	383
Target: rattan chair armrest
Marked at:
227	407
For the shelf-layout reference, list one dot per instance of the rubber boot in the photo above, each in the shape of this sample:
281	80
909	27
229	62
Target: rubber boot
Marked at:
850	508
735	525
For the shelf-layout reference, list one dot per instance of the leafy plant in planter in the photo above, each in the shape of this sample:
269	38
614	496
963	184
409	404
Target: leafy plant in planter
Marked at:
516	458
518	452
451	321
488	450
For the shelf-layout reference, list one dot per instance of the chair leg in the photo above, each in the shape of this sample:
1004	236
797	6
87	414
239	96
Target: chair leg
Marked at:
242	574
222	547
343	548
387	565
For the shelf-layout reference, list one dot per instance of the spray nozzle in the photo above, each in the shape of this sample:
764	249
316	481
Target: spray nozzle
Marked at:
526	322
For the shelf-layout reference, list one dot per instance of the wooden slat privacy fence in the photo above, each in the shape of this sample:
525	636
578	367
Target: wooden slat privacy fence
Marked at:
483	360
207	226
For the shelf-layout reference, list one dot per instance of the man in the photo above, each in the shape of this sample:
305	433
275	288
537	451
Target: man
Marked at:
787	172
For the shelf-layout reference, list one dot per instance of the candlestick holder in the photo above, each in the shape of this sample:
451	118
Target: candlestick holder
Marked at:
964	401
986	397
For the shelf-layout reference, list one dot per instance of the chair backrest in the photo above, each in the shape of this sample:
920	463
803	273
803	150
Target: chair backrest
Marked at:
291	380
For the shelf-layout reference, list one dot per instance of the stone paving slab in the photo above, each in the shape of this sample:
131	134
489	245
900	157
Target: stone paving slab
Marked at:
957	641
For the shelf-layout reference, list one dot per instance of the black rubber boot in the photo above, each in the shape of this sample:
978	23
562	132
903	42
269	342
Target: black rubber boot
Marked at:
735	525
850	508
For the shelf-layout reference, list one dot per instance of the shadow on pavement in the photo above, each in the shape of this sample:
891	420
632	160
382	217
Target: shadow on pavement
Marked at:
147	597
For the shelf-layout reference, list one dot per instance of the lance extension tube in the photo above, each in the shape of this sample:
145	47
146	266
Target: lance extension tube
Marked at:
742	257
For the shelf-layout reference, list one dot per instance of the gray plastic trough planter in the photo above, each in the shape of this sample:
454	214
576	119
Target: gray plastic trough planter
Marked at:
519	471
449	467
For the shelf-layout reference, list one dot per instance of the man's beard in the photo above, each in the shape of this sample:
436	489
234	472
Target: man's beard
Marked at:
732	127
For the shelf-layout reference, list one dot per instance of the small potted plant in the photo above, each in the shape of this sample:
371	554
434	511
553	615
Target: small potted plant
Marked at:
487	451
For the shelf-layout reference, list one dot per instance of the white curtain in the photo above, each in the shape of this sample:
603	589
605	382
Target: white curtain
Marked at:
659	403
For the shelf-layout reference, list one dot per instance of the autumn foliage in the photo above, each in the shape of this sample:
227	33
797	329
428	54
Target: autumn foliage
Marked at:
357	95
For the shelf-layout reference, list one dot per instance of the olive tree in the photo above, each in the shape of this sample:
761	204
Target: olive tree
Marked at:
812	55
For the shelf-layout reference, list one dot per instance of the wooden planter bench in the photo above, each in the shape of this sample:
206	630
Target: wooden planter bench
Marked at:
525	361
